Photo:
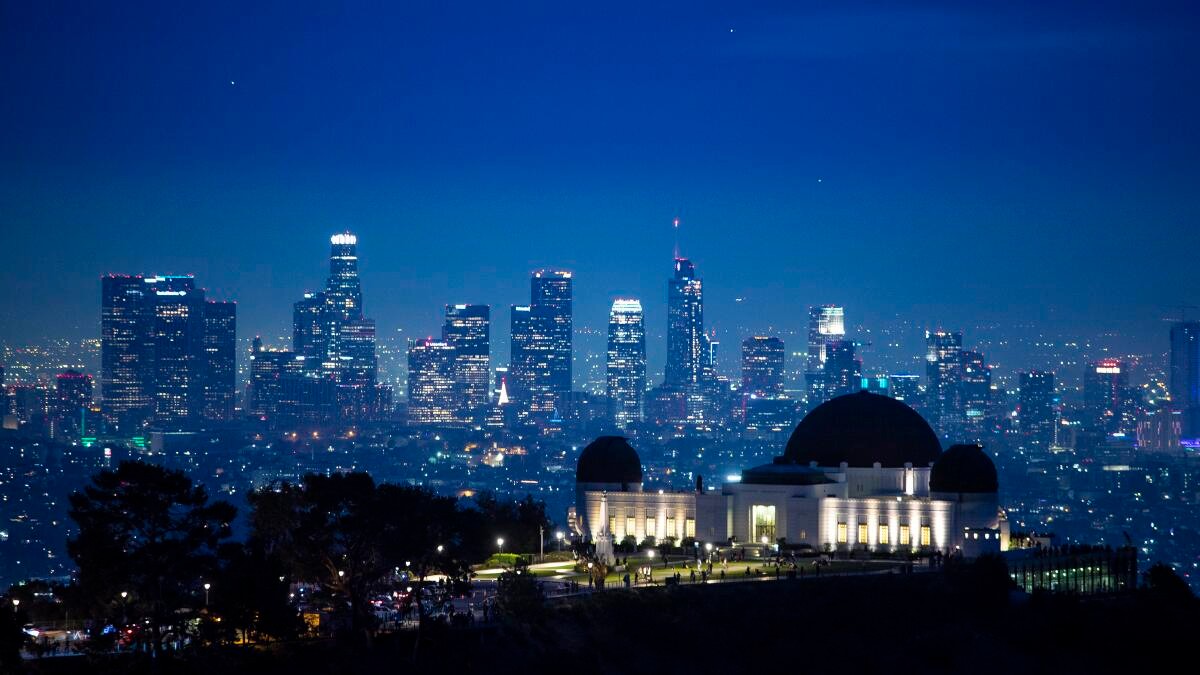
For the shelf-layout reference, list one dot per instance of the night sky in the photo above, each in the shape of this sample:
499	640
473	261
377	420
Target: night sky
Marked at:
948	163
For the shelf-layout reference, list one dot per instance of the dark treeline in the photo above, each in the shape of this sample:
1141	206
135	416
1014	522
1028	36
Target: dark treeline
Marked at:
155	557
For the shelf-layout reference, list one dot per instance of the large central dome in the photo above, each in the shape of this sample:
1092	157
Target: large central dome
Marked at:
861	429
609	459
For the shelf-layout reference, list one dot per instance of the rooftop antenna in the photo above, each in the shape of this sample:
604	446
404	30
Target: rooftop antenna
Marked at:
676	229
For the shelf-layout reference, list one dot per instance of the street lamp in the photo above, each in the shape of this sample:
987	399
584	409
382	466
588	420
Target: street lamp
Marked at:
500	543
16	604
440	548
206	587
559	536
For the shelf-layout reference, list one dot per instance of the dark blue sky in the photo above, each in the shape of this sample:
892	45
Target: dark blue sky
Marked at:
951	163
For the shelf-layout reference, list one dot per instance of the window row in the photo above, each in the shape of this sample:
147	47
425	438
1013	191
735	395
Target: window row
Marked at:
884	535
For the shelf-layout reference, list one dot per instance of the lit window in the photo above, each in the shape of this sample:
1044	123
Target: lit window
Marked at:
671	528
925	538
689	527
843	534
803	535
630	525
884	539
651	527
612	525
862	533
904	539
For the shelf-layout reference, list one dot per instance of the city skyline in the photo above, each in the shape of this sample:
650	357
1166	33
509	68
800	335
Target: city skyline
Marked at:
789	196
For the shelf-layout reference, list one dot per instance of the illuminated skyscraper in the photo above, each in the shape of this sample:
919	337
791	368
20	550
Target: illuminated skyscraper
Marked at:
124	363
551	299
432	397
1037	412
1184	384
337	341
1109	404
468	331
762	366
73	397
842	372
220	359
309	328
626	361
944	372
687	344
976	395
826	324
177	349
540	355
267	370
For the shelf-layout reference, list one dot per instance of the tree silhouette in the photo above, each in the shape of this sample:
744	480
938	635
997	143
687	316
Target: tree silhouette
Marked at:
150	533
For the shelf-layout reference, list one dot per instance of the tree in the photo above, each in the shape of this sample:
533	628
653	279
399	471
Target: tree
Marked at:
1165	584
11	637
250	592
150	533
519	595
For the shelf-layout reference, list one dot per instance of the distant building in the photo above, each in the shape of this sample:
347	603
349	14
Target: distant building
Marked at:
1109	404
220	359
1037	412
907	388
687	344
468	331
1184	380
432	392
826	324
626	366
763	366
124	357
976	395
72	400
842	372
541	345
944	375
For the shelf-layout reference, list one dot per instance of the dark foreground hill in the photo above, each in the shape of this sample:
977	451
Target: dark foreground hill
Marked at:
964	622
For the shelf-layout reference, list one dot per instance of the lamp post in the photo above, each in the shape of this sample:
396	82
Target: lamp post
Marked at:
16	604
207	586
500	544
559	536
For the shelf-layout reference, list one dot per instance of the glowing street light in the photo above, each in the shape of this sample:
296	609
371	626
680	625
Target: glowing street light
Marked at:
206	587
440	548
500	544
559	536
16	604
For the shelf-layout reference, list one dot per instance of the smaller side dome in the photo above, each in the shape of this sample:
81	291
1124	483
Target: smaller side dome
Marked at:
609	459
964	468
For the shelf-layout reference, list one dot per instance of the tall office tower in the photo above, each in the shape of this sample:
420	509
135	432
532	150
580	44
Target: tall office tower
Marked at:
343	291
944	371
842	371
220	359
687	344
907	388
468	331
762	366
525	361
123	357
309	328
1037	412
432	395
826	323
267	370
1108	402
176	346
626	362
550	299
1184	384
976	394
73	396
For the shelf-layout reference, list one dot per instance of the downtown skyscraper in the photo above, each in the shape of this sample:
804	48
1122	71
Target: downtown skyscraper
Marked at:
1109	403
468	331
336	340
944	377
1184	378
433	393
826	324
1037	410
540	354
626	362
762	366
687	344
